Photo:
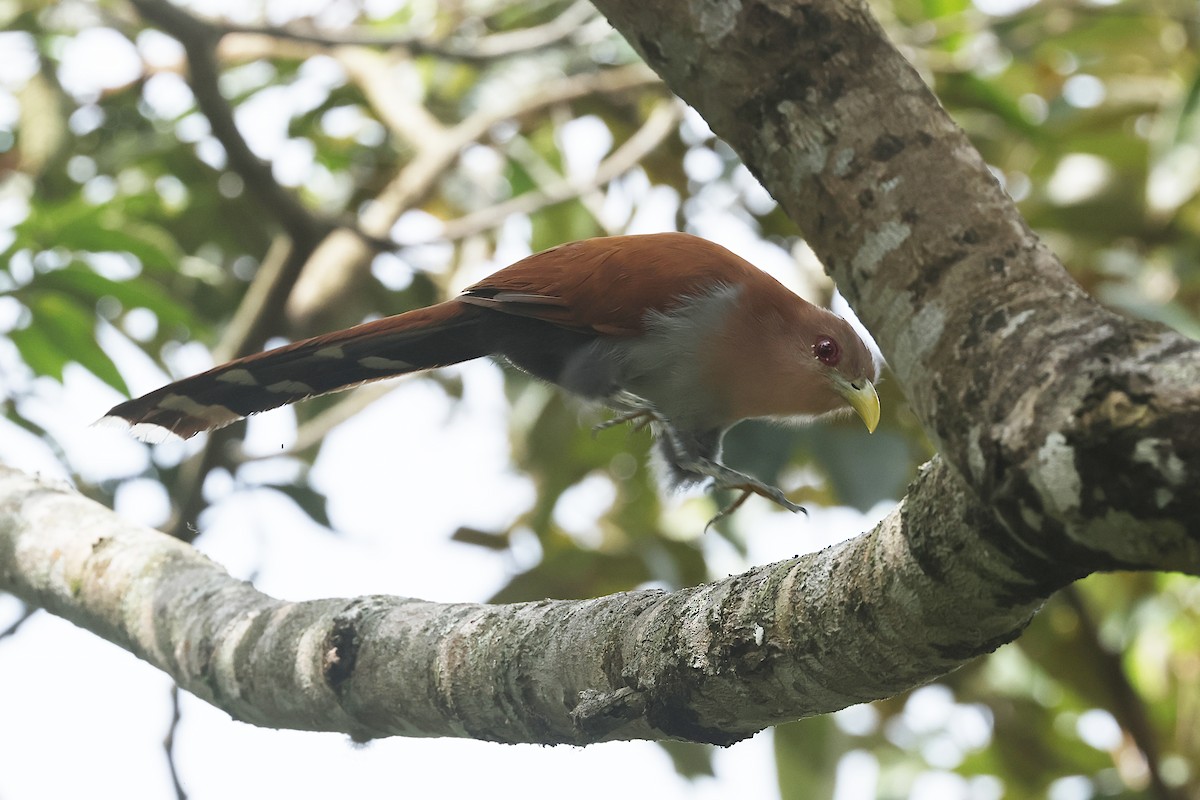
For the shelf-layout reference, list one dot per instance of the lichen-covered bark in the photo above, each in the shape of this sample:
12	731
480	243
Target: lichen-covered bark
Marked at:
1076	427
1069	435
715	663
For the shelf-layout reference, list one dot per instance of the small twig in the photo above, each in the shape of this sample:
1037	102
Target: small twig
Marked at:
536	37
658	126
454	47
1127	704
339	261
169	744
18	622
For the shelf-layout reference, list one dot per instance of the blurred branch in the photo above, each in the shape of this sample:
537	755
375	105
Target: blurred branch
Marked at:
16	624
199	40
403	115
1127	704
660	124
169	744
340	262
256	314
457	47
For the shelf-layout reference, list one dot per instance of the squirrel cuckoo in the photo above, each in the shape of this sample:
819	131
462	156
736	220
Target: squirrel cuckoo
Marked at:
667	329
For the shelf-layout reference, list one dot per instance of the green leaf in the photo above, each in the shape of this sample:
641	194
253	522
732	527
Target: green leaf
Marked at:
806	757
81	283
968	90
310	501
39	351
1175	155
563	222
96	229
935	9
62	331
862	468
691	760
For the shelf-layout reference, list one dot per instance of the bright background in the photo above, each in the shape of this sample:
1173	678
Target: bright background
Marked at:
128	242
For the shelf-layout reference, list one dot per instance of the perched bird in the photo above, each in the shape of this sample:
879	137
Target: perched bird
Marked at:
667	329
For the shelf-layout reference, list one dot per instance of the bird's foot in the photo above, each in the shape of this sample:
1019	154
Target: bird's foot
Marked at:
641	418
726	478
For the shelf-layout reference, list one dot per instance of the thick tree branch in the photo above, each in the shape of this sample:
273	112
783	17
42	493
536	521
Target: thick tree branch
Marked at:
1079	428
1070	435
858	621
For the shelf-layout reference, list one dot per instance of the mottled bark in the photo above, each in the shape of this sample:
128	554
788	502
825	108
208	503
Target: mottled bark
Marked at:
1078	428
865	619
1070	437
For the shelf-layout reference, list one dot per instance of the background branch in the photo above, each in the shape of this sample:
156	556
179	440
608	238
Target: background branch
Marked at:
1126	704
661	123
199	41
457	47
341	262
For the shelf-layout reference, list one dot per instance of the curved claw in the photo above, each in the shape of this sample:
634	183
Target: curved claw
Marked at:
773	494
729	509
748	488
641	417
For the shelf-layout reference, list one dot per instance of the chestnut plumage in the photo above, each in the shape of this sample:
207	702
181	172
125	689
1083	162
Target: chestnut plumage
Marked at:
668	329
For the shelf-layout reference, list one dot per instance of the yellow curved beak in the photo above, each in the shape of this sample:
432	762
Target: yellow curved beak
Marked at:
862	398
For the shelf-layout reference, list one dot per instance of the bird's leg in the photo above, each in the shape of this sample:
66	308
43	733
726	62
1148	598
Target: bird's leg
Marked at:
693	456
632	409
725	478
642	419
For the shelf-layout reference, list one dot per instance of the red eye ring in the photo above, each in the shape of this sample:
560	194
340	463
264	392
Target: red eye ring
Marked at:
827	351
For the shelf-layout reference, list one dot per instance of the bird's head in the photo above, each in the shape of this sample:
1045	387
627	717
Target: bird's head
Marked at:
796	362
847	364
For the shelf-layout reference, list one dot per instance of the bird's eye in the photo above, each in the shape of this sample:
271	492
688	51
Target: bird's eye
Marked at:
827	351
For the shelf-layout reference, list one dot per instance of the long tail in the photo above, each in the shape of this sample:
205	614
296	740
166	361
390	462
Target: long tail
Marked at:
436	336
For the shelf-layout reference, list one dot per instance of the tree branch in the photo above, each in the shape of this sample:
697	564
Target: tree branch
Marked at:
169	745
1127	706
1072	424
199	40
658	126
862	620
341	261
16	624
471	49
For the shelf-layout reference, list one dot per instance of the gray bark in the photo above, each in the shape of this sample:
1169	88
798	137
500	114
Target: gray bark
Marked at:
1070	440
715	663
1075	427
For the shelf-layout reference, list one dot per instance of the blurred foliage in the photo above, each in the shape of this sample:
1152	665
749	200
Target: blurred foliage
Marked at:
124	229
